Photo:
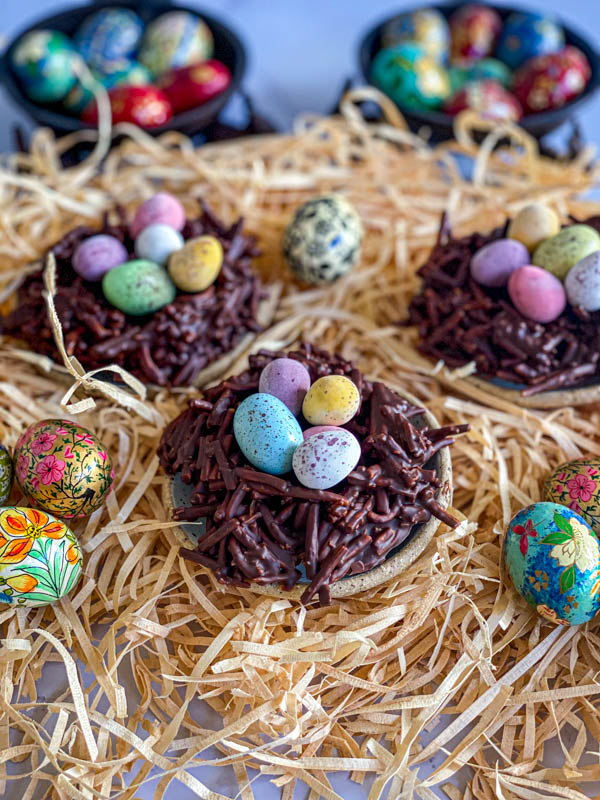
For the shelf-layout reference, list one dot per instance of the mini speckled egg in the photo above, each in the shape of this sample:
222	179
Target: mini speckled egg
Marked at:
138	287
325	459
331	400
40	558
553	559
490	69
286	379
96	255
108	36
175	39
267	433
197	265
318	429
411	77
494	263
426	26
188	87
489	98
45	64
582	283
125	73
564	250
145	106
322	242
537	293
7	474
525	35
551	80
158	242
576	484
474	30
62	467
162	208
533	225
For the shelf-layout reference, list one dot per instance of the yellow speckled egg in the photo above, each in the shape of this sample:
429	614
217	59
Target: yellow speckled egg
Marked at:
197	265
534	224
331	400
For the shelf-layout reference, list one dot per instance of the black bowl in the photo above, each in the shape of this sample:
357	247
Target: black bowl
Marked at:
228	49
441	124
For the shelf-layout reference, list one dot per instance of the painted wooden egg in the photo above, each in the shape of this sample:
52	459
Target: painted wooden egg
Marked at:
552	80
7	474
145	106
45	64
426	26
108	36
525	35
175	39
126	73
553	558
488	98
63	468
490	69
576	484
40	558
188	87
474	30
411	77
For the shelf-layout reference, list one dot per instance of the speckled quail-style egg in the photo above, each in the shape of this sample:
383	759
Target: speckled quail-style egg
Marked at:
564	250
582	283
525	35
45	62
326	458
108	36
322	242
267	433
97	254
533	225
158	242
175	39
553	559
331	400
576	484
197	265
138	287
426	26
7	474
474	30
411	77
487	97
537	293
551	80
287	379
493	264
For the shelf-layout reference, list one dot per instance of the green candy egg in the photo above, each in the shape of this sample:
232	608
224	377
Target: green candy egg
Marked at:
138	287
564	250
7	473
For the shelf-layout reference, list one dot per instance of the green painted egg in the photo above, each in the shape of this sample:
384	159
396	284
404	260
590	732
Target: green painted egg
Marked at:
411	77
564	250
426	26
175	39
45	64
138	287
458	76
577	484
126	73
490	69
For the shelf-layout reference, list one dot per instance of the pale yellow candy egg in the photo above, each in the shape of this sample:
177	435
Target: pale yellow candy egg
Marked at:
331	400
533	225
197	265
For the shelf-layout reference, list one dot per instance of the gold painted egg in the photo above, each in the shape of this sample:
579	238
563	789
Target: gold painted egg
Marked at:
576	484
63	468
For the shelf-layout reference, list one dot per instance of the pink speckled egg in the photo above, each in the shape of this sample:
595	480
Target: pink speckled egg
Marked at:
325	459
97	255
161	208
537	294
493	264
318	429
286	379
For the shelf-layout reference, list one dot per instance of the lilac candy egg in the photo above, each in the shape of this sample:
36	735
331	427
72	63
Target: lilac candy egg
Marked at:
160	208
286	379
97	255
493	264
325	459
537	293
318	429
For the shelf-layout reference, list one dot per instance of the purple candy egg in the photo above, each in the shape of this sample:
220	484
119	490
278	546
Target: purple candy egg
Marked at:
537	293
97	255
318	429
286	379
325	459
494	263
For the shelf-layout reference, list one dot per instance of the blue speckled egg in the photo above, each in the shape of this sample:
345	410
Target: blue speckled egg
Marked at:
7	474
426	26
411	77
45	64
326	458
553	558
525	35
267	433
126	73
108	36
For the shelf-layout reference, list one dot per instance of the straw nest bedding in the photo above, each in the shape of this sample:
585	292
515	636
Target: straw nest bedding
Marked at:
303	694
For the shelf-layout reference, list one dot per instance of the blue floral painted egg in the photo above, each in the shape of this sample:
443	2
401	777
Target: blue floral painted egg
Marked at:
108	36
411	77
553	558
45	64
426	26
526	35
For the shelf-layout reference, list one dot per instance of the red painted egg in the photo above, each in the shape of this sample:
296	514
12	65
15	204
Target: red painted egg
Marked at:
188	87
474	30
145	106
552	80
489	98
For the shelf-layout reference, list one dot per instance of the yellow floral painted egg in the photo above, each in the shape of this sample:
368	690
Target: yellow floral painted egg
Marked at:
577	485
63	468
40	558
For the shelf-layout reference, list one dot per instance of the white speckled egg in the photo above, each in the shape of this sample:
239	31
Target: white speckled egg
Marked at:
325	459
157	243
582	283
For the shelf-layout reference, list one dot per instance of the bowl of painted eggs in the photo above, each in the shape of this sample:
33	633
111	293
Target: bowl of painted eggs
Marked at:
504	63
163	66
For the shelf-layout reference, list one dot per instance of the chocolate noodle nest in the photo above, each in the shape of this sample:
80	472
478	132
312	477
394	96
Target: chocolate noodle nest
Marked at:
169	347
262	528
460	321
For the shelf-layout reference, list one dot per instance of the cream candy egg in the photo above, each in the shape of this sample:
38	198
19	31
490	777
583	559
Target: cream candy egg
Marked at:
326	458
533	225
331	400
158	242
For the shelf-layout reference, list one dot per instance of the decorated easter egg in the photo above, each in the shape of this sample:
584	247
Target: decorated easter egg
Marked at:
40	558
576	484
7	474
525	35
287	379
458	76
158	242
582	283
537	294
426	26
533	225
138	287
322	242
553	558
474	30
188	87
331	400
267	433
175	39
564	250
488	98
411	77
63	468
145	106
326	458
125	73
494	263
96	255
45	63
490	69
551	80
197	265
318	429
108	36
162	208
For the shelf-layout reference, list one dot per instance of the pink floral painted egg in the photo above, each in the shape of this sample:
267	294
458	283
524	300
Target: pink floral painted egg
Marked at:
63	468
576	484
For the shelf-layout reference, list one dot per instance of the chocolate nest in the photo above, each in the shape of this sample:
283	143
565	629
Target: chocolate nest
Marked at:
262	528
460	321
169	347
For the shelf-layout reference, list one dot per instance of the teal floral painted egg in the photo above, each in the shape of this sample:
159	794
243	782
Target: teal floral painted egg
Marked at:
40	558
7	474
175	39
426	26
45	64
63	468
411	77
490	69
553	558
109	36
576	484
